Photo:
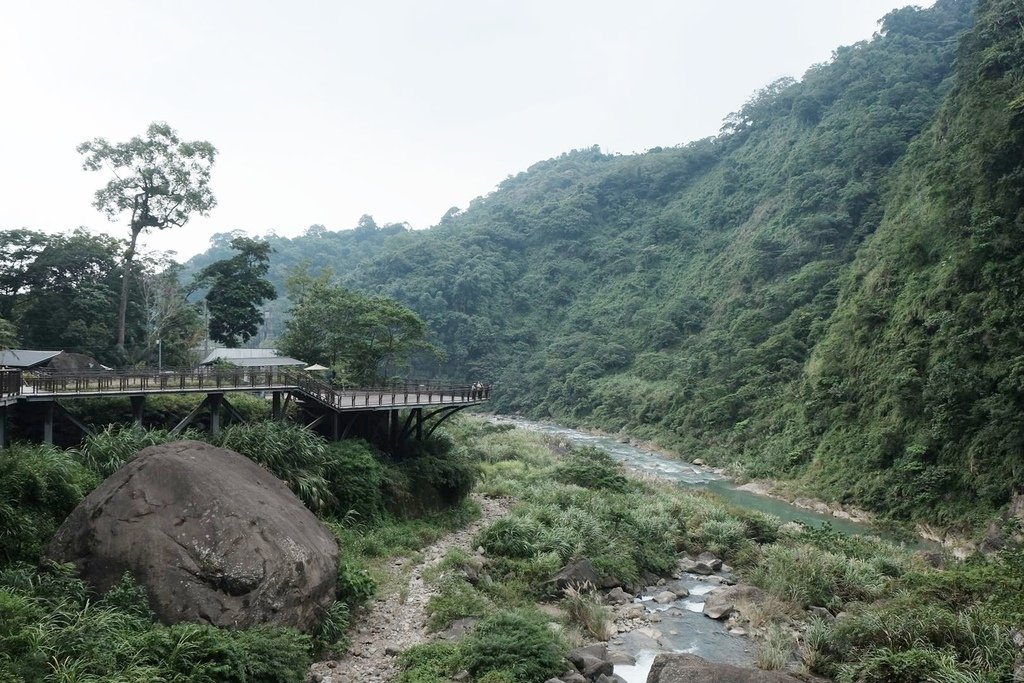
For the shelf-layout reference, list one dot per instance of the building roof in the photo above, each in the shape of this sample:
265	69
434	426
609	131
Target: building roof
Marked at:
266	362
248	358
25	358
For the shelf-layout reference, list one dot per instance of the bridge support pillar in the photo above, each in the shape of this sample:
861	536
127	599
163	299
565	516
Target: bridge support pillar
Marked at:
419	423
275	405
138	404
215	401
48	422
3	427
335	426
395	428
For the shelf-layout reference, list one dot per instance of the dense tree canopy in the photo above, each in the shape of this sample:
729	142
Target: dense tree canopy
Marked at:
364	339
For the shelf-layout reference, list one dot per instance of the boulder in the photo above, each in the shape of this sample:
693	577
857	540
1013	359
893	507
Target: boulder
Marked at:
617	596
711	560
683	668
576	574
591	660
212	536
665	597
679	588
722	603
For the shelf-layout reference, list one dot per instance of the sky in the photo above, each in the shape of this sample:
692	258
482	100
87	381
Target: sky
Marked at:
323	110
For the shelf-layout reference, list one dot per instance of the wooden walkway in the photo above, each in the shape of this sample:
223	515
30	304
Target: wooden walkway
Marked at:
48	387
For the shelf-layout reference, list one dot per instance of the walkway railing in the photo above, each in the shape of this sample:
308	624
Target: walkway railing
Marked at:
10	383
111	382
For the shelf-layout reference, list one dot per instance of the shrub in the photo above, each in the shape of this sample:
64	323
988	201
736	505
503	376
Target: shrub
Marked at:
807	575
431	663
356	479
355	584
456	599
518	642
39	487
592	468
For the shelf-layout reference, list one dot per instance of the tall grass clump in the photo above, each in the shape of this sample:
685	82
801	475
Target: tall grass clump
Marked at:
107	450
293	453
807	575
39	487
583	605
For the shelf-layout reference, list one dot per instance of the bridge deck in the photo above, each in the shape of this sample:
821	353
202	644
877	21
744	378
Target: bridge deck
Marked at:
18	386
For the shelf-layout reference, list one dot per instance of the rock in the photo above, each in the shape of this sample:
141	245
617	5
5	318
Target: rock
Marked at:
821	612
633	611
591	660
721	603
554	680
576	574
461	676
390	651
573	677
617	596
617	658
612	678
686	564
679	588
684	668
710	559
698	461
212	536
665	597
458	629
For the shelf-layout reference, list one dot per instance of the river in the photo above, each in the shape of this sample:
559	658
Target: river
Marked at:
682	626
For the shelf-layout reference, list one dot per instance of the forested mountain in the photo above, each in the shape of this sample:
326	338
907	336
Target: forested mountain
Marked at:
827	291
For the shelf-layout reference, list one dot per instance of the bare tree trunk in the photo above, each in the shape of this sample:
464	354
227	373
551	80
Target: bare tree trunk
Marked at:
122	308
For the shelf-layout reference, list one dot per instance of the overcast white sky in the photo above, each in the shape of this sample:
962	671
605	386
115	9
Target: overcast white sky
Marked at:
325	110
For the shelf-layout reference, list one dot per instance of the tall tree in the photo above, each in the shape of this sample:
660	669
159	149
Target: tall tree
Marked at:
172	323
18	248
237	287
159	180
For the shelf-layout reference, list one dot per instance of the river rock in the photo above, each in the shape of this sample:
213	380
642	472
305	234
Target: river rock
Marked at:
576	574
665	597
685	668
679	588
591	660
722	603
711	560
212	536
617	596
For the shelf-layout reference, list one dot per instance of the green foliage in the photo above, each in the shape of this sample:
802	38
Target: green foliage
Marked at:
357	480
431	663
51	630
517	642
365	339
236	289
293	453
456	599
592	468
106	451
39	487
355	584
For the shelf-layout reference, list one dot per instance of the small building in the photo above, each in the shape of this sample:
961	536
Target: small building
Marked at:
252	358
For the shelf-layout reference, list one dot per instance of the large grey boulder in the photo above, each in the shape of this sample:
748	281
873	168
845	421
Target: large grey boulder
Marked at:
212	536
682	668
722	603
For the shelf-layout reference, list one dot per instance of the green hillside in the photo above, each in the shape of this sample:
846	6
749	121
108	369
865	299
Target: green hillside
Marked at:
823	292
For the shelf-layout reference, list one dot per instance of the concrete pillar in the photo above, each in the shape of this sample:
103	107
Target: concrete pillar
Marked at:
3	427
138	403
48	422
215	401
275	405
335	425
419	424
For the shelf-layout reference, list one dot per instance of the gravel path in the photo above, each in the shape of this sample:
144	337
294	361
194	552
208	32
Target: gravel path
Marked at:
397	619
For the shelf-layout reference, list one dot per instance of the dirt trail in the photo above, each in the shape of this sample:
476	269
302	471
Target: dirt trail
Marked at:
393	623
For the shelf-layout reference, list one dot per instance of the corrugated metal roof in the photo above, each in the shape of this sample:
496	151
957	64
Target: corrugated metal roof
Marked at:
25	358
234	355
266	361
